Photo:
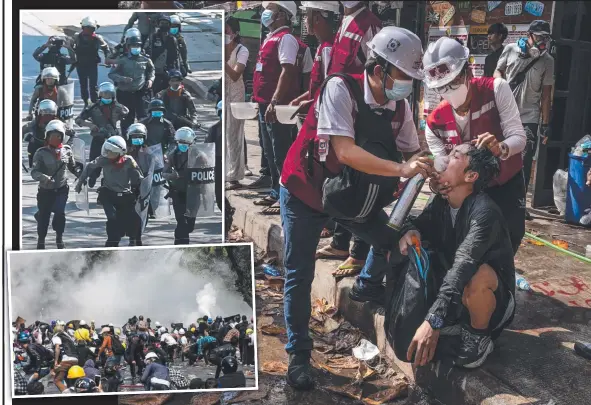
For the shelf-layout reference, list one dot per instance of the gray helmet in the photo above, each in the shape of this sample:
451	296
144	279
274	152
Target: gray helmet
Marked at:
47	107
132	33
137	129
107	90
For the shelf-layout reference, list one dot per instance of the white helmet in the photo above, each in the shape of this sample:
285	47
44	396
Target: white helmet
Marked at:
401	48
175	331
151	356
184	134
321	5
60	323
114	145
89	22
443	61
106	329
132	33
50	73
181	332
288	6
162	330
47	107
55	125
175	20
157	324
82	323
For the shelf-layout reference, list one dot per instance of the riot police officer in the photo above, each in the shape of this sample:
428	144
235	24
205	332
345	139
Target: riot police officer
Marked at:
86	46
120	48
160	130
133	76
54	58
176	173
121	179
46	112
163	50
46	90
175	29
145	24
102	118
136	135
49	169
180	109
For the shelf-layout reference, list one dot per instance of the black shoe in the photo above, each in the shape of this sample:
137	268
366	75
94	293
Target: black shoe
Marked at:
475	348
59	242
41	245
91	182
369	293
261	182
299	372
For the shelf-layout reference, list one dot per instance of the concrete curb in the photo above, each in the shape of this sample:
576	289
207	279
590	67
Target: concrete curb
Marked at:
446	383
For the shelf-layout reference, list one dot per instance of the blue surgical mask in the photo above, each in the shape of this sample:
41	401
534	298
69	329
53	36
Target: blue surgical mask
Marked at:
106	100
135	51
157	114
267	18
400	90
183	147
174	31
137	141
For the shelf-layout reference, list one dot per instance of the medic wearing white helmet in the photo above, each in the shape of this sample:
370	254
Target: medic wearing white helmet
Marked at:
118	193
358	26
368	109
320	21
482	111
277	80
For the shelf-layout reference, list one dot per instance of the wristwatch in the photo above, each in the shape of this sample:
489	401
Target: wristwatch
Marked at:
504	150
435	321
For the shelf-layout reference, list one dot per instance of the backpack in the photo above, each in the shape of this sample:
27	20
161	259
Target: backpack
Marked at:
116	346
44	353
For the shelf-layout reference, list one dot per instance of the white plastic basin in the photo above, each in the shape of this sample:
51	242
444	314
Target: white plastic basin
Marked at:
244	111
284	113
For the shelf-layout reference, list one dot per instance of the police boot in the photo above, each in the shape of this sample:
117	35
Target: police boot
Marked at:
41	244
59	241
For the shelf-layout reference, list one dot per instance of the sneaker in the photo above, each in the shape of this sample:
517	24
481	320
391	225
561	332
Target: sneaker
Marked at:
60	242
261	182
475	348
299	372
369	293
248	172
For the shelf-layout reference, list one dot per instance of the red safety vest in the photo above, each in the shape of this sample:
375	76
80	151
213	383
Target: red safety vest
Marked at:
484	118
343	55
295	173
317	74
265	81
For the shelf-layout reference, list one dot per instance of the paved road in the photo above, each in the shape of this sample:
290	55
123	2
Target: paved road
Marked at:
203	34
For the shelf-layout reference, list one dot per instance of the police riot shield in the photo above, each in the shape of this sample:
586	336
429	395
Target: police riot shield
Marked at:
201	181
79	152
142	203
160	206
65	103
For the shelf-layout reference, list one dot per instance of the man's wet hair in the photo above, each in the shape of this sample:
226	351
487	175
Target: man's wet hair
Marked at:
483	162
196	383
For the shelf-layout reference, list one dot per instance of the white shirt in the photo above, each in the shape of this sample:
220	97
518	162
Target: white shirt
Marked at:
511	124
324	59
288	47
242	55
184	340
168	339
335	115
308	61
368	36
56	340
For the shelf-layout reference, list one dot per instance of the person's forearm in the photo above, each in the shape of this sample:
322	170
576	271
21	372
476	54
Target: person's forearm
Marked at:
365	162
546	105
283	85
301	98
234	75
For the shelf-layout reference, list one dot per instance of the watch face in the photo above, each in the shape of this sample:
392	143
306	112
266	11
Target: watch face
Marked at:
436	322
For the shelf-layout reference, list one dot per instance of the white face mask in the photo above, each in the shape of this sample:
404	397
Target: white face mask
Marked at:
349	4
456	97
228	39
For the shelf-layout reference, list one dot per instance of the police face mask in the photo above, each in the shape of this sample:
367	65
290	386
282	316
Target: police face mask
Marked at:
157	114
137	141
183	147
135	51
174	31
267	18
106	100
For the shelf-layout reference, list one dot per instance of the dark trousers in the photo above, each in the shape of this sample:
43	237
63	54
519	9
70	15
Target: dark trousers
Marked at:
134	101
49	201
119	209
139	364
276	142
144	38
32	147
218	182
531	132
88	76
95	151
184	225
264	164
160	82
245	153
341	239
510	197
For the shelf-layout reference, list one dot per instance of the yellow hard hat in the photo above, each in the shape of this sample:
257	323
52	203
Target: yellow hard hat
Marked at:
70	326
76	372
193	329
249	331
117	331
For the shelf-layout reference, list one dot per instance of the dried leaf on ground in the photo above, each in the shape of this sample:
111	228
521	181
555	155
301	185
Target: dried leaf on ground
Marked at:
273	330
321	307
212	398
560	243
236	235
264	321
363	372
271	295
534	242
274	367
245	396
158	399
348	362
397	389
324	327
353	391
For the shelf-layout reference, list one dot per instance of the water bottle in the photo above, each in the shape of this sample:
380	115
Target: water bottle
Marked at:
405	202
271	271
522	283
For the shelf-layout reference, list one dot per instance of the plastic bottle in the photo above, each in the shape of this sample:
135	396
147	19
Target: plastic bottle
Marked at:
271	271
521	283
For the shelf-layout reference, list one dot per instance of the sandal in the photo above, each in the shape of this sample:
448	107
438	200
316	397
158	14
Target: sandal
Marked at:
326	233
328	252
265	202
233	185
350	267
274	209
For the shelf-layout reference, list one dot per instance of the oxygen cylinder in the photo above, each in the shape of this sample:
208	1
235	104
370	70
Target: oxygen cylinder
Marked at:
405	202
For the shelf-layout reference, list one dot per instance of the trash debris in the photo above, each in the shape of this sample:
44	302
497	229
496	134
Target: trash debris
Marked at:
270	258
521	283
353	391
560	243
559	183
342	339
366	350
363	372
245	396
212	398
273	330
388	391
534	242
236	235
150	399
323	327
334	365
321	308
269	307
271	271
274	367
264	321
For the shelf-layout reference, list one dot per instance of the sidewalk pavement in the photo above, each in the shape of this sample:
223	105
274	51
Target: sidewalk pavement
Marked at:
533	361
